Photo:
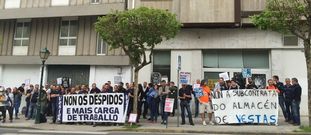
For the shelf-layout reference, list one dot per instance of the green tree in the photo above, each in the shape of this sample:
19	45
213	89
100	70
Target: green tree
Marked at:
289	16
136	31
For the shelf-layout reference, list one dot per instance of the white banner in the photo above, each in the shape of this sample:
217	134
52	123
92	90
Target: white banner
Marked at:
246	106
104	107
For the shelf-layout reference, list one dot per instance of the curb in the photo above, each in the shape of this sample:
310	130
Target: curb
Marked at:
202	132
19	127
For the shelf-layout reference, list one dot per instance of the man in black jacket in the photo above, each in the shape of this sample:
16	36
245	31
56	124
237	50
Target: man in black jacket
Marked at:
289	93
296	101
280	87
142	93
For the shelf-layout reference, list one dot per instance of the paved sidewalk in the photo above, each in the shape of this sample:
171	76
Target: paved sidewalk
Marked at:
282	128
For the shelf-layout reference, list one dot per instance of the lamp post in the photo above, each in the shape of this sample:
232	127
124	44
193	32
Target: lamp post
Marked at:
44	54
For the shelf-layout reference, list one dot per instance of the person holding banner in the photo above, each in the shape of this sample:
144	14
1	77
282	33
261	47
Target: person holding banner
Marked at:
205	104
151	100
185	98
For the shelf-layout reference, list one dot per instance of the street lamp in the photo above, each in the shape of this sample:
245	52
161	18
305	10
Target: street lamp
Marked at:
44	54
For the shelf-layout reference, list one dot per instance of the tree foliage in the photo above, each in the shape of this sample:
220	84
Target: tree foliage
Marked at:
286	16
136	31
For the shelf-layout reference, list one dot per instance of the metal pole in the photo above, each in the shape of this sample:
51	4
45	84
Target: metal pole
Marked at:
178	115
37	121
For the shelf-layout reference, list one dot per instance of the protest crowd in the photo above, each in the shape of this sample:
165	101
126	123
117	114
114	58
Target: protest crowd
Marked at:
151	99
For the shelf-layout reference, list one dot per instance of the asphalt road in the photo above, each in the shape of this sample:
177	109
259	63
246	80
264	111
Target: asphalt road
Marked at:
8	131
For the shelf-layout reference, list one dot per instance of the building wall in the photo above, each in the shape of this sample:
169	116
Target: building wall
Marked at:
15	75
101	74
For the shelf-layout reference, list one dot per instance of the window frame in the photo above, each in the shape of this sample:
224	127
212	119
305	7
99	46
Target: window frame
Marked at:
102	43
22	38
69	37
95	2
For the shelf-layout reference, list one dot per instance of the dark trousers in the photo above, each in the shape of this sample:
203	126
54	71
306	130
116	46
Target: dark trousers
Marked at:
3	111
164	114
10	110
27	109
296	111
196	102
16	108
153	110
54	110
129	109
283	106
288	104
185	106
143	105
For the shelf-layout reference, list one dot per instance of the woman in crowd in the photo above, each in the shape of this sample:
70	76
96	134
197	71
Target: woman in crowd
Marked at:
234	85
271	86
151	100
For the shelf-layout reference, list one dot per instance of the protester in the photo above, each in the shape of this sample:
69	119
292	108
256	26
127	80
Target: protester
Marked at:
205	104
221	85
28	96
54	102
130	93
151	99
10	103
173	94
251	84
289	93
3	100
22	88
280	87
234	85
33	103
271	86
196	101
296	102
163	91
94	89
17	101
143	105
185	98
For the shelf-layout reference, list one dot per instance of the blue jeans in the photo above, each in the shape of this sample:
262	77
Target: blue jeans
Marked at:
153	110
54	105
288	104
32	110
185	106
282	105
27	109
16	108
296	111
196	109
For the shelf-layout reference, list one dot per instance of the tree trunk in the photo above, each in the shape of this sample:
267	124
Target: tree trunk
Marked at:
308	62
135	101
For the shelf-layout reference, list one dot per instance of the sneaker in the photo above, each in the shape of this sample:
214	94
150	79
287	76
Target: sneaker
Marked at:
204	123
211	123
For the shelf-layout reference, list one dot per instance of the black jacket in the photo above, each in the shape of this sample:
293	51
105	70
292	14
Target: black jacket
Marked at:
143	95
297	92
288	92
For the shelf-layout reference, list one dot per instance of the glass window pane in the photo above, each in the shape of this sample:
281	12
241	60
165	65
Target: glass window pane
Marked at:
256	59
18	32
63	42
230	59
64	31
72	42
26	31
212	78
73	28
210	59
162	58
99	48
290	40
25	43
104	47
16	42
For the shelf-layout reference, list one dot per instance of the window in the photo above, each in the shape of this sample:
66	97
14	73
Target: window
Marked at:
162	63
68	33
22	33
290	40
60	2
236	59
101	46
95	1
12	3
